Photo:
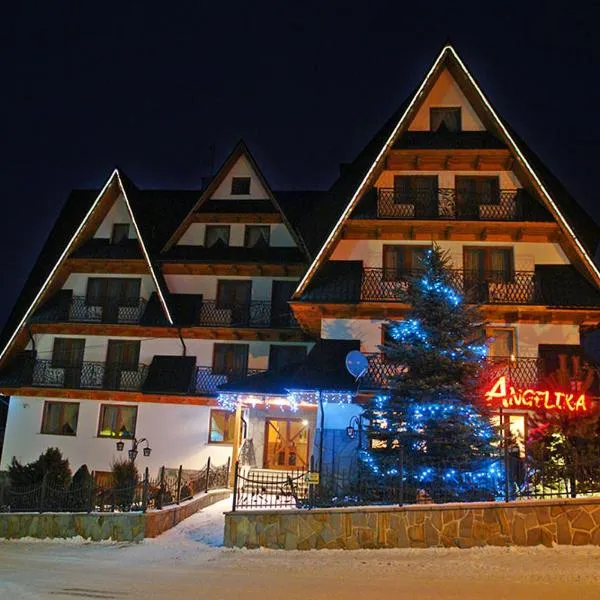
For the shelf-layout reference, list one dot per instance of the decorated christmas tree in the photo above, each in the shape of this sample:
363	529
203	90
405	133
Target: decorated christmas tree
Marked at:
430	432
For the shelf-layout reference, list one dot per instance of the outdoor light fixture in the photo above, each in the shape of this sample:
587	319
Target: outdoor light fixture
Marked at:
351	430
133	453
147	450
120	446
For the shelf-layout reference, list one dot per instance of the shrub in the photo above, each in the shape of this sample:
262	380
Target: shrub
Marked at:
51	464
81	489
125	481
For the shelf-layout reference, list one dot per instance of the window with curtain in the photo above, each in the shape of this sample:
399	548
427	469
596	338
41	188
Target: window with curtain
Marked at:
501	342
240	186
60	418
222	423
445	119
257	236
283	355
400	261
488	264
217	235
113	290
230	359
419	190
477	190
123	353
117	421
120	233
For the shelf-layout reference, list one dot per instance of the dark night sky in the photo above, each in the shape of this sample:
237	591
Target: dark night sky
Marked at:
87	87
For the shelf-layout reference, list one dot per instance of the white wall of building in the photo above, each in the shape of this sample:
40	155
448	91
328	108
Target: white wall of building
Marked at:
526	254
117	214
178	435
242	168
207	285
368	331
446	92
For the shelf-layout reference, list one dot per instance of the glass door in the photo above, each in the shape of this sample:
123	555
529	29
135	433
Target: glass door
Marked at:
286	444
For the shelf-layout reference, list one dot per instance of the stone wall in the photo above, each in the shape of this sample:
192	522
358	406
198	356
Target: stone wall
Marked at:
528	523
120	527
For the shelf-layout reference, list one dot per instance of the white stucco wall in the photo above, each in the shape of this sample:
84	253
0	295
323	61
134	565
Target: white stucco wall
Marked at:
242	168
117	214
178	435
527	254
446	92
368	331
207	285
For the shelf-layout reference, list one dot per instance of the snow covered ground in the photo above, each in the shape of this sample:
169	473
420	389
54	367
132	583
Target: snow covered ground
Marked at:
188	563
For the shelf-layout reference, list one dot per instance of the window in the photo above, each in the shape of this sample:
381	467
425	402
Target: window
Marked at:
217	235
471	192
113	291
60	418
257	236
445	119
67	353
400	261
501	342
230	359
222	423
121	355
488	264
566	358
234	295
120	233
419	190
281	356
117	421
240	186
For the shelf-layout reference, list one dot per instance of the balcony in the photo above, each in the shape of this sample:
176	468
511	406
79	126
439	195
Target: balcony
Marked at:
451	204
77	309
251	314
494	287
208	382
87	376
523	372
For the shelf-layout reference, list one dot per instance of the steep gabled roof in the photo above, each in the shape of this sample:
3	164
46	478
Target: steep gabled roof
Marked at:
240	150
73	223
345	194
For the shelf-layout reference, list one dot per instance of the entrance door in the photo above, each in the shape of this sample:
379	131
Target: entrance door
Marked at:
286	444
280	310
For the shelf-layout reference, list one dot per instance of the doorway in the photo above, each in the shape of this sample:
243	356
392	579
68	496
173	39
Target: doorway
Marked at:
286	444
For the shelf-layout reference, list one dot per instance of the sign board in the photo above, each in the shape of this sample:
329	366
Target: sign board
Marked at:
506	396
312	478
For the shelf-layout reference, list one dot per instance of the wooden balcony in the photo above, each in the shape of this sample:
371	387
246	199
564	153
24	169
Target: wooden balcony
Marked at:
254	314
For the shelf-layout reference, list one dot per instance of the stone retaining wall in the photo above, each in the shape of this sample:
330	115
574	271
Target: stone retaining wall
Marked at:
121	527
527	523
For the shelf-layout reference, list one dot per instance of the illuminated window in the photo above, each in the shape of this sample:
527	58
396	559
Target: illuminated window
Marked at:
501	342
221	427
117	421
240	186
60	418
120	233
445	119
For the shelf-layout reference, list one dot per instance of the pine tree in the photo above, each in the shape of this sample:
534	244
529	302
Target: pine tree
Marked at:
431	428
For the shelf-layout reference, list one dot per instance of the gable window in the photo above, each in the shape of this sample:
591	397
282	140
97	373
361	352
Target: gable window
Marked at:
230	359
501	342
222	423
111	292
120	233
67	354
471	192
217	235
117	421
257	236
420	191
60	418
240	186
234	295
282	355
445	119
402	261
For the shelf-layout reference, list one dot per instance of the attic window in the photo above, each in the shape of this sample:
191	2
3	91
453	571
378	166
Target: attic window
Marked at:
217	235
257	236
240	186
120	233
445	119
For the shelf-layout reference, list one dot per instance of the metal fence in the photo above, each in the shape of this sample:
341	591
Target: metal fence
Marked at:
171	486
256	313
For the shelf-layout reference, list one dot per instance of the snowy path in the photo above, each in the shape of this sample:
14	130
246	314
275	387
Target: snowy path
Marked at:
187	563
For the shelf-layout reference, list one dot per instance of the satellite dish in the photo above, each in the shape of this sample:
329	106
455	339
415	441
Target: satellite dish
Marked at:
356	363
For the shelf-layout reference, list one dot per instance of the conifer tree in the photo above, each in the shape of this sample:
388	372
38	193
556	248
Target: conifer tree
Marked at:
431	428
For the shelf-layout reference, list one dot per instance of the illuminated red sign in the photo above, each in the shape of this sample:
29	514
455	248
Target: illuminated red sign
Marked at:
510	397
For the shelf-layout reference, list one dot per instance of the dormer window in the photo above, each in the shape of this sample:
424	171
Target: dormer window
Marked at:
120	233
240	186
217	235
445	119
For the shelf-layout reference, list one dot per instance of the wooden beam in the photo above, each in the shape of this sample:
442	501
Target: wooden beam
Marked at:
205	217
242	269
